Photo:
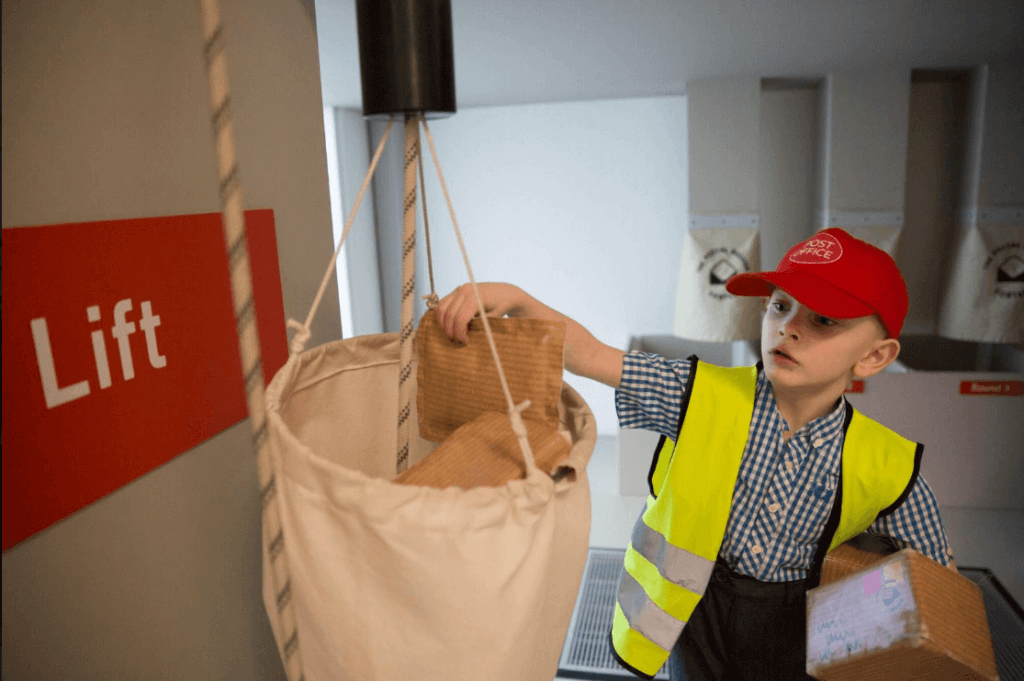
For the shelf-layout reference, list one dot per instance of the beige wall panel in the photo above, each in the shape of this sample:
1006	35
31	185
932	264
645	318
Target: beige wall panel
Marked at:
105	115
1002	150
934	158
868	144
786	173
723	143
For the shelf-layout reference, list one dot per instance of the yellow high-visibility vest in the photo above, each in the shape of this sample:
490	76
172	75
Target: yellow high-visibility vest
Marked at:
675	541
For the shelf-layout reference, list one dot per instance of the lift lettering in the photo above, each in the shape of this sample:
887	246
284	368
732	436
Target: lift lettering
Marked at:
121	332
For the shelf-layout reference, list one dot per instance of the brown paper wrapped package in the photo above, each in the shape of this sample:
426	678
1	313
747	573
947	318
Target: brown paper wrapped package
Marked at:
846	559
459	401
485	453
944	637
458	383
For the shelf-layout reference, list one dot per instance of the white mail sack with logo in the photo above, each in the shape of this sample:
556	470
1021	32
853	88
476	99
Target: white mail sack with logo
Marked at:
984	298
705	311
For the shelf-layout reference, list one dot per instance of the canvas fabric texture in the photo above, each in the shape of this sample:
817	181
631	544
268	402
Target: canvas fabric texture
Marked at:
401	581
705	311
459	382
984	299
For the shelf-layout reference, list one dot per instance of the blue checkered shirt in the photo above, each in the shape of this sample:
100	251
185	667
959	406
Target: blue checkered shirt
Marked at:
785	488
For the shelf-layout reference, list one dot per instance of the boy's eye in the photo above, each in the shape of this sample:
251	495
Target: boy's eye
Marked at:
822	320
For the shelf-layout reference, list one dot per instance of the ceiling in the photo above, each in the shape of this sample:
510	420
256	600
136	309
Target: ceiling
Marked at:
530	51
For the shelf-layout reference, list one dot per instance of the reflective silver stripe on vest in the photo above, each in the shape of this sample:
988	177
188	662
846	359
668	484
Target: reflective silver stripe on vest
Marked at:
677	565
645	616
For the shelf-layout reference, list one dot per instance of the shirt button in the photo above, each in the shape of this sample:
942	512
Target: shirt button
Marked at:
818	442
789	465
773	508
755	549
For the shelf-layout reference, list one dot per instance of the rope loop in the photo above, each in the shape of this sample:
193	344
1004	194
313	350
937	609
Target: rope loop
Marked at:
300	338
516	416
432	301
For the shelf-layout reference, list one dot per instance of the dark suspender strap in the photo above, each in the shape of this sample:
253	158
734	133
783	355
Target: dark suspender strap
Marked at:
654	465
918	453
683	406
687	392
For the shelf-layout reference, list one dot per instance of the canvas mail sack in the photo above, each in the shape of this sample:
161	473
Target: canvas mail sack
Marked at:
396	581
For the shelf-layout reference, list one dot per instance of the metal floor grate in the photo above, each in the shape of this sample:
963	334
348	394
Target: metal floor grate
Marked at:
1005	623
586	653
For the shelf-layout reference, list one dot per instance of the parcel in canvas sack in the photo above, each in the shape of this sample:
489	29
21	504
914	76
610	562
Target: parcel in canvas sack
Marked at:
459	382
460	400
409	582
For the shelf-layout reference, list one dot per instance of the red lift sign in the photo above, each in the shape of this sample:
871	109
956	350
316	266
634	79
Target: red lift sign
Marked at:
120	352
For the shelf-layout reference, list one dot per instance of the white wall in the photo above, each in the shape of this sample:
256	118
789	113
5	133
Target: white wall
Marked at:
583	205
106	115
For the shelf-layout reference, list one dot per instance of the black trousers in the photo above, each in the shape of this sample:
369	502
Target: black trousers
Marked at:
744	630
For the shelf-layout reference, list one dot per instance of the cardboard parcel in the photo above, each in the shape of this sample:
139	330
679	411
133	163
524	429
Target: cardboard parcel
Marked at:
903	617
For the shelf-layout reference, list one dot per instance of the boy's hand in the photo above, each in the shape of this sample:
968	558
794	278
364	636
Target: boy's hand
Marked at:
584	354
458	308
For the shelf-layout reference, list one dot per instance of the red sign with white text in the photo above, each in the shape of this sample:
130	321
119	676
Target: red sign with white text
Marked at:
120	352
1007	388
856	387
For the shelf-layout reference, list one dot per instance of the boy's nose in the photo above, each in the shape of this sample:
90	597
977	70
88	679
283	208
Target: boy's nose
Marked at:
788	327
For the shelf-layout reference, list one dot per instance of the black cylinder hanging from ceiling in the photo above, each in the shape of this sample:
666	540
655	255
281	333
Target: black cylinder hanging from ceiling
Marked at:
406	59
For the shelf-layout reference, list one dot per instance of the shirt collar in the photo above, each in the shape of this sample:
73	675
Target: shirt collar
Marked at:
824	428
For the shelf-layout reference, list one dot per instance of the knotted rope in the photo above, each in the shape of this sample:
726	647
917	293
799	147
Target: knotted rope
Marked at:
412	152
245	326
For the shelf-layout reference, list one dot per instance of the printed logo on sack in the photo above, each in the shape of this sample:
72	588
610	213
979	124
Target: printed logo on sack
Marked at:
820	249
721	265
1008	262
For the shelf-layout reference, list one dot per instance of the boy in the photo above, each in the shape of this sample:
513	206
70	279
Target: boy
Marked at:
772	468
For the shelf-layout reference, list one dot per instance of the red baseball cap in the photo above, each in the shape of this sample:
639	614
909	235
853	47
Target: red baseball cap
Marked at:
835	275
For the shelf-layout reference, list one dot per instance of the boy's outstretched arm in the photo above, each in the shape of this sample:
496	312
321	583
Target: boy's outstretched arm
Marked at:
584	355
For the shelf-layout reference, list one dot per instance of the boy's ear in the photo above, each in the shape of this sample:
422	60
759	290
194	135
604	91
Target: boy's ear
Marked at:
881	355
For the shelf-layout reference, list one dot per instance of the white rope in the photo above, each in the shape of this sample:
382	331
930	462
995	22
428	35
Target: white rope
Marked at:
514	412
300	339
246	328
432	299
302	336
